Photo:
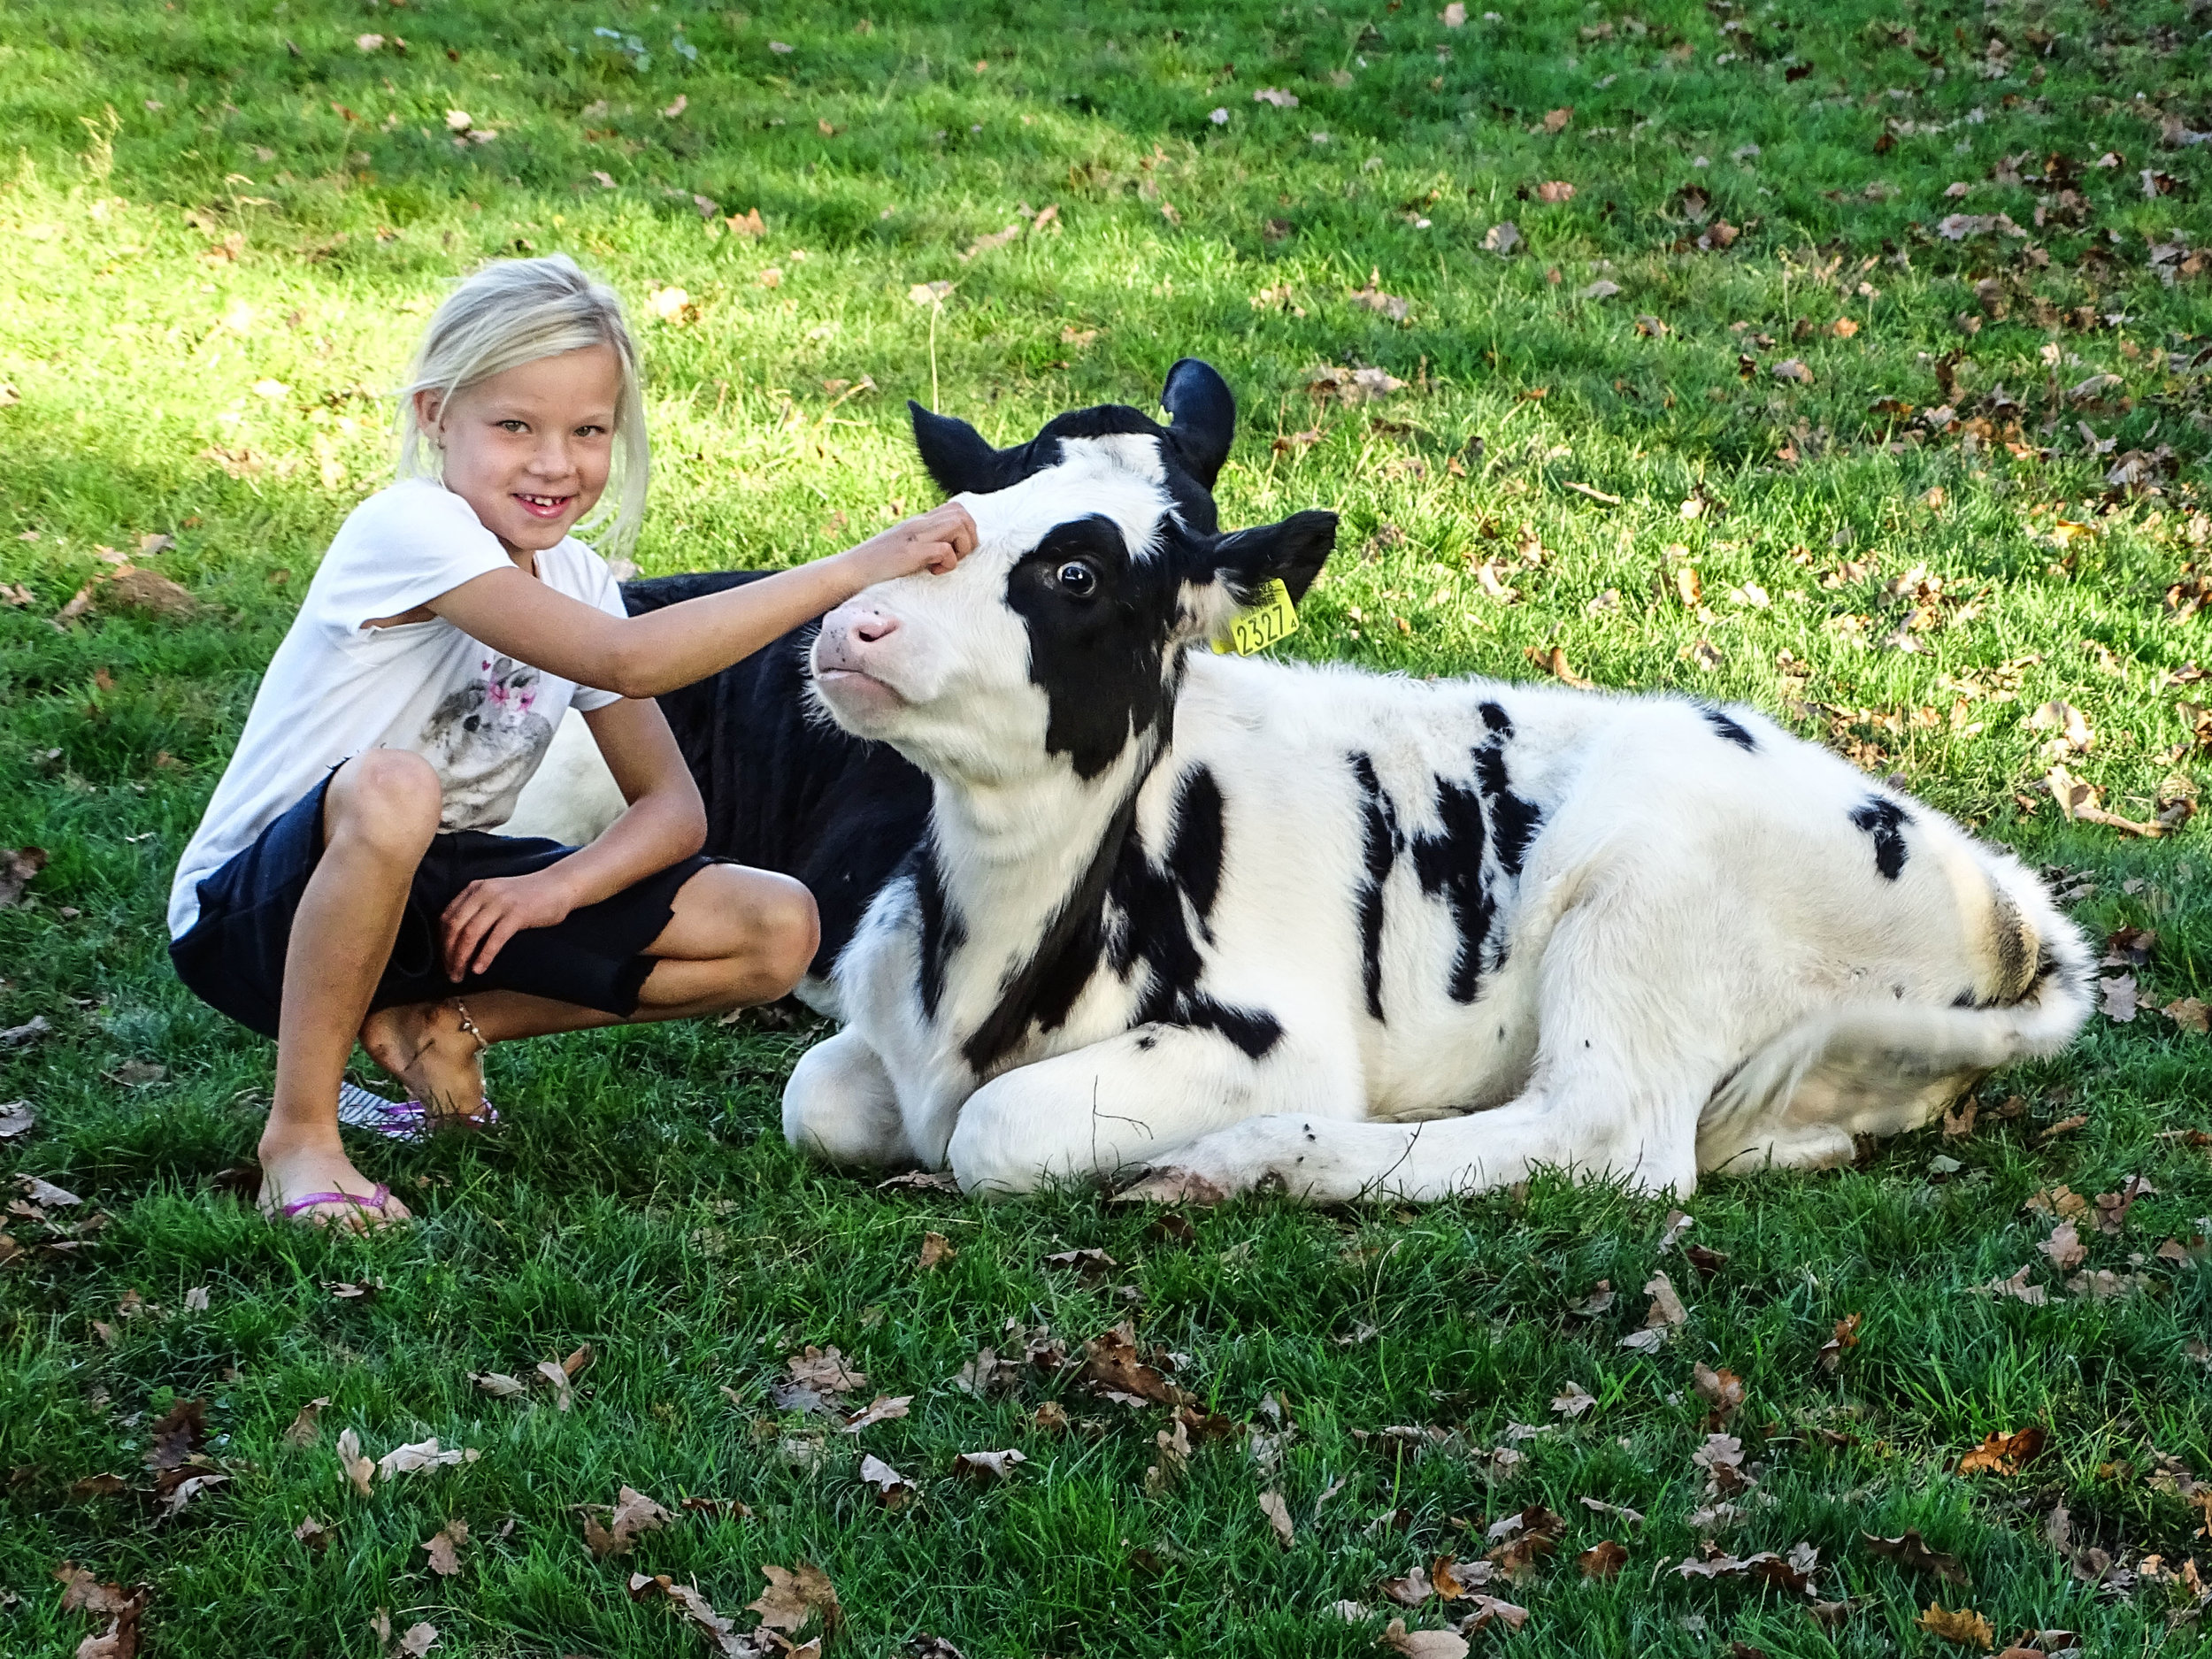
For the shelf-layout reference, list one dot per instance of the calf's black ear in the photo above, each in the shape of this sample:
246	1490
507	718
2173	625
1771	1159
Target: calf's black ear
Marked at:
1205	413
956	455
1295	551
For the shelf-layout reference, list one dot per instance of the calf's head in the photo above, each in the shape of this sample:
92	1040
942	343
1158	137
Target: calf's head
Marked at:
1058	642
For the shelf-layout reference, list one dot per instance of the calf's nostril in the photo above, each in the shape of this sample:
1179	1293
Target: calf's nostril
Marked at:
872	630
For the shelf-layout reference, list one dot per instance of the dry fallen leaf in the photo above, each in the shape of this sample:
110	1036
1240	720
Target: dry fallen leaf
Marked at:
882	1409
936	1250
2064	1247
893	1489
791	1599
2004	1454
46	1194
406	1460
1423	1644
1963	1626
307	1426
1911	1551
988	1466
2017	1287
1278	1513
1602	1559
357	1468
1573	1401
1089	1264
443	1547
1723	1390
2118	998
499	1384
1665	1314
416	1640
825	1368
313	1533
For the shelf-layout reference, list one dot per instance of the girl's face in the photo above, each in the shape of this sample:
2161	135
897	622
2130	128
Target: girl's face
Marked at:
530	449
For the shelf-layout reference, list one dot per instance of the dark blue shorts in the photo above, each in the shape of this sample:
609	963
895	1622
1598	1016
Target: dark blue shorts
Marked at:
232	958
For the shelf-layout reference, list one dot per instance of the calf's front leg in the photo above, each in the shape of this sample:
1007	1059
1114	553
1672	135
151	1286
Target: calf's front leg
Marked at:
839	1106
1131	1100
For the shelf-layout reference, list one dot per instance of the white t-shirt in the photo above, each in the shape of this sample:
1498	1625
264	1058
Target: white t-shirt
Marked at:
335	689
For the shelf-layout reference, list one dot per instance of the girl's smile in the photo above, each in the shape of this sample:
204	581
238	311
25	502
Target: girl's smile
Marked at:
530	449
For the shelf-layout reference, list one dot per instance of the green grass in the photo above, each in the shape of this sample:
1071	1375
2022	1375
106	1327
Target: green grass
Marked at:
267	202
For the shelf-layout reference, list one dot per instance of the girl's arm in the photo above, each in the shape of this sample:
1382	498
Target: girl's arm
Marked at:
643	657
665	822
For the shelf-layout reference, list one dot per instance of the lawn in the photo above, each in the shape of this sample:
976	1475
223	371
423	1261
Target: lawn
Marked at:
1849	360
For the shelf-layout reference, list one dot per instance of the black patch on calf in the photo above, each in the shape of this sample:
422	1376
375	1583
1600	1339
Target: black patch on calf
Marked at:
1195	839
1884	821
942	931
1720	720
1449	864
1513	821
1098	656
1378	838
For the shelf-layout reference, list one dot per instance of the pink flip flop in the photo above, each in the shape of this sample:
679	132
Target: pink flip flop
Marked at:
375	1200
402	1120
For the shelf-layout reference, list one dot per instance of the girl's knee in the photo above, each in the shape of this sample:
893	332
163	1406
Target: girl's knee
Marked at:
790	932
389	798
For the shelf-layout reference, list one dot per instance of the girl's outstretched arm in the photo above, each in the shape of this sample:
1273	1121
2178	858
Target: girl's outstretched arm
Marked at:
643	657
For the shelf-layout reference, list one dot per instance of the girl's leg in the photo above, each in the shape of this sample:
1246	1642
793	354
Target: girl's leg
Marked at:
379	813
737	937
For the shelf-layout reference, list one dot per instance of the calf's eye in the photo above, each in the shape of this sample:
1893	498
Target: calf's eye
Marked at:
1077	579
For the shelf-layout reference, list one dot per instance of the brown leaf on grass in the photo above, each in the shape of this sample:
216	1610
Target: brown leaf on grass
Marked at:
882	1409
443	1547
2118	999
988	1467
1278	1513
17	1118
1113	1365
1525	1540
1598	1506
406	1460
2064	1247
825	1370
1573	1401
1502	237
353	1290
177	1434
1555	190
1959	1124
357	1468
173	1498
936	1250
2018	1288
634	1514
1410	1590
2004	1454
1595	1303
793	1599
17	866
101	1486
1665	1314
1422	1644
1603	1559
1050	1418
307	1426
893	1489
120	1639
1792	369
499	1384
1911	1552
921	1180
1556	120
2191	1013
1554	663
1723	1390
1962	1625
2112	1208
314	1534
46	1194
2059	1200
1489	1608
695	1609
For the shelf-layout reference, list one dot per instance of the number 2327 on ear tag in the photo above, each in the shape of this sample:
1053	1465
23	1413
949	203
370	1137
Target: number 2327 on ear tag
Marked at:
1259	625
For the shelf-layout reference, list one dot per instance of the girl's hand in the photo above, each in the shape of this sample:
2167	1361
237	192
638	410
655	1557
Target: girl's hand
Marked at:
935	540
486	914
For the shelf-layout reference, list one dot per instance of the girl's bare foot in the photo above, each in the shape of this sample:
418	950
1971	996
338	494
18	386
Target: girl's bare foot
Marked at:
317	1167
426	1046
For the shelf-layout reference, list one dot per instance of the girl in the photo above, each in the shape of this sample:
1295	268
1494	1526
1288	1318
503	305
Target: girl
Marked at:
342	882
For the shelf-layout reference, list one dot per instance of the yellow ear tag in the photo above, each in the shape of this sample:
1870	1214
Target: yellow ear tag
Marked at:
1257	627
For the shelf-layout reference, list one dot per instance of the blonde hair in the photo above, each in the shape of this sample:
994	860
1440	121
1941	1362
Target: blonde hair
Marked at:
514	311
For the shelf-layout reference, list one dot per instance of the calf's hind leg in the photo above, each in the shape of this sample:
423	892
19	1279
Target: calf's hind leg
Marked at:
839	1106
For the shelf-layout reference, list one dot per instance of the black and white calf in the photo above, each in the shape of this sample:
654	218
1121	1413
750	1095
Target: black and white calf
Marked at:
1238	921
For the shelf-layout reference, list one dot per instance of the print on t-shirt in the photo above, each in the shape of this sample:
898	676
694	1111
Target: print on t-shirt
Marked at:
485	740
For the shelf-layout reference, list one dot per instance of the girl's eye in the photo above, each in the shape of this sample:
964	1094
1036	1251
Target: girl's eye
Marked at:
514	426
1077	579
